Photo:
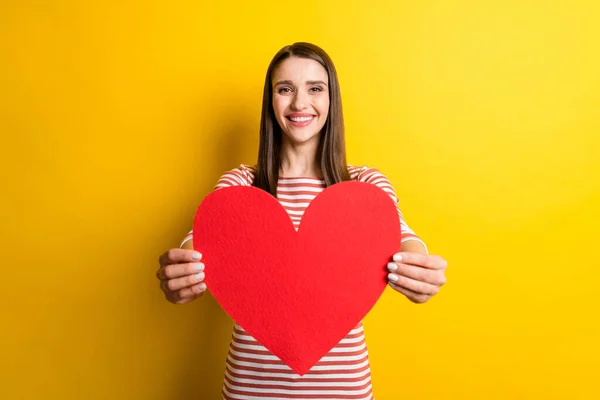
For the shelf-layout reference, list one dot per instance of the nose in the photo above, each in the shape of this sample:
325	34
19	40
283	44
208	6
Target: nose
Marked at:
300	100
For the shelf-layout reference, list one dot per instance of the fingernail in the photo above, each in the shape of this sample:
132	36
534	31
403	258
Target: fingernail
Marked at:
200	276
397	258
392	267
393	277
202	286
196	256
199	267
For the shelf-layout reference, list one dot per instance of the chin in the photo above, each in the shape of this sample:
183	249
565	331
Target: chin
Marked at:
301	137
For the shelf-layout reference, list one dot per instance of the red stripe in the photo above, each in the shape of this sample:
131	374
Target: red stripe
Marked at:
268	353
292	373
249	375
300	395
320	363
356	335
305	388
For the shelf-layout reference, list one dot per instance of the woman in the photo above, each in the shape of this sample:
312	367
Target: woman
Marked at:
301	152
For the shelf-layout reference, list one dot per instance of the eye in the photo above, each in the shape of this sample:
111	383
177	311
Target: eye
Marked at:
284	90
316	89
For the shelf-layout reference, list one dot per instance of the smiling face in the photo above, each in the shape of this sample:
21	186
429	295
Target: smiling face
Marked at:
300	99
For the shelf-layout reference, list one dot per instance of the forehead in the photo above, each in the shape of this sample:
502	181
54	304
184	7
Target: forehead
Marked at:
300	70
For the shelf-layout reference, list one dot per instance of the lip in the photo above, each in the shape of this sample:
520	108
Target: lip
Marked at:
300	115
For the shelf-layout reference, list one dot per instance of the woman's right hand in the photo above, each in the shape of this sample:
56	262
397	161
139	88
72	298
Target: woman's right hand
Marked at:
181	275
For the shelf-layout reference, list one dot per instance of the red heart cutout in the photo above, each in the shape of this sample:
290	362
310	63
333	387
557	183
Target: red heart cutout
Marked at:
297	293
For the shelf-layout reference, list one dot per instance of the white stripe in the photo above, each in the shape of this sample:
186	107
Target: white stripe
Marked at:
245	336
257	347
296	180
297	385
379	180
245	397
300	189
406	229
233	177
249	338
292	212
348	349
296	205
304	392
269	357
227	182
352	340
333	350
348	375
283	367
296	197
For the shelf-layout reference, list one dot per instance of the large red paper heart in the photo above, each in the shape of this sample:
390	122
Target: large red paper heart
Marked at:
297	293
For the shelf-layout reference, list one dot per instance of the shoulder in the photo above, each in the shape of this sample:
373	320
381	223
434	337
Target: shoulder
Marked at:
243	175
249	172
365	173
374	176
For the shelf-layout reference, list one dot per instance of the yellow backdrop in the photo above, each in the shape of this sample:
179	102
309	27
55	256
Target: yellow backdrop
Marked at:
118	117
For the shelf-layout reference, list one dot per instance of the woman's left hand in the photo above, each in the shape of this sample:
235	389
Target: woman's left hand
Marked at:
417	276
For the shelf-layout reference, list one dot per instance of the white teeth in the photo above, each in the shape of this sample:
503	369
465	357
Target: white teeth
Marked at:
301	119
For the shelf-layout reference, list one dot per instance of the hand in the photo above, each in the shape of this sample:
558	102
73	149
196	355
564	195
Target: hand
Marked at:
181	275
417	276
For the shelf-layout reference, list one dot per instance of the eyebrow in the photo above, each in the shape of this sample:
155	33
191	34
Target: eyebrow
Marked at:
307	82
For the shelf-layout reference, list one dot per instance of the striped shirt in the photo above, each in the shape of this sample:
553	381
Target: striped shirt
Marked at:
253	372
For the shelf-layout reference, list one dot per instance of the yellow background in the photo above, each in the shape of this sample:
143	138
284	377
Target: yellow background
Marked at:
118	117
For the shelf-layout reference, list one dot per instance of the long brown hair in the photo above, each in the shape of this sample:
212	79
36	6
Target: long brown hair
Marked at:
332	145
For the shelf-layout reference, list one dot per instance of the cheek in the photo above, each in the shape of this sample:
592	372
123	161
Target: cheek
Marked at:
324	107
279	106
276	106
278	109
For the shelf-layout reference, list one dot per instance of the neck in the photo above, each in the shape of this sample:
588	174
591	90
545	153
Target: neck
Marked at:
300	160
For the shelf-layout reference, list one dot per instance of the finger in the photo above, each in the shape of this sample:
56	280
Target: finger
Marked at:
186	297
177	284
412	296
192	291
413	285
423	260
178	256
179	270
433	276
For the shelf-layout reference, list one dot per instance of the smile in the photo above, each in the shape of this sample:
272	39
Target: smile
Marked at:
301	119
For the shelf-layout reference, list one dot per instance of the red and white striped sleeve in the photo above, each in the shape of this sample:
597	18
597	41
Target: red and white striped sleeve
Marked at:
374	176
242	176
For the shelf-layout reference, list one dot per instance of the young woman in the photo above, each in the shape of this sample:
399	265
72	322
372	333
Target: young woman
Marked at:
301	152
